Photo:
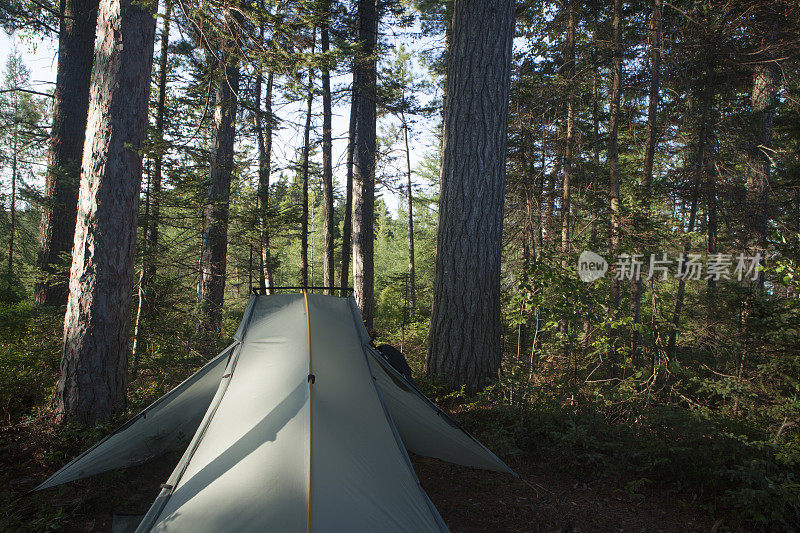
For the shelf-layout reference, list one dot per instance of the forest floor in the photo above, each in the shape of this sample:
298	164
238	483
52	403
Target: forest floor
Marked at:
542	499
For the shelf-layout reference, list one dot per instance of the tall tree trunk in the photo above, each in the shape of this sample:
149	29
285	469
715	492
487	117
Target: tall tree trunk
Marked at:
328	229
78	21
525	194
153	209
412	289
364	160
13	206
464	346
214	247
649	156
306	150
347	224
765	79
552	189
569	74
613	172
595	180
158	157
712	249
595	148
264	141
93	364
652	102
138	325
539	193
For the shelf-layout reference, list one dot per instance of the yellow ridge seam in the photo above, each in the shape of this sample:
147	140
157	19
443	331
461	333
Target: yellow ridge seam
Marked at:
310	406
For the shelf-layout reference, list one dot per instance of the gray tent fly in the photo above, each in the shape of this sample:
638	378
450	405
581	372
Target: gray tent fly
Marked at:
300	425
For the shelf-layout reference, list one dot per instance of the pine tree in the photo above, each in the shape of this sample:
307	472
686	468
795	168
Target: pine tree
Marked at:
94	361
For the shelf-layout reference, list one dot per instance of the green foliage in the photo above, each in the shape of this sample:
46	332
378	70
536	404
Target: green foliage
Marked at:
29	359
698	458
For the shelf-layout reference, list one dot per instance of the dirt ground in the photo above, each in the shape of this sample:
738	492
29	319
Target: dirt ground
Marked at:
542	500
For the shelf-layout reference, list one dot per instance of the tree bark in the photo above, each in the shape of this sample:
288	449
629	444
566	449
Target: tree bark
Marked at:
364	160
328	230
264	142
347	224
214	247
96	325
613	171
464	346
78	22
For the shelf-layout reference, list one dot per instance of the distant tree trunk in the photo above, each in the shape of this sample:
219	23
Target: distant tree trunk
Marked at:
93	364
765	80
613	171
78	21
150	249
711	241
539	192
347	224
13	206
649	156
306	150
138	325
264	168
594	185
410	194
214	247
569	73
699	168
328	229
653	100
464	346
551	190
595	149
158	157
527	233
364	160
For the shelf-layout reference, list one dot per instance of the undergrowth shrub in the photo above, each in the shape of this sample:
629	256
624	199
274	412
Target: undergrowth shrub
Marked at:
29	358
728	471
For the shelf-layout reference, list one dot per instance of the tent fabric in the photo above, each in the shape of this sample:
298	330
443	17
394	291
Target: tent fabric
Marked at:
249	469
166	425
300	425
284	453
425	429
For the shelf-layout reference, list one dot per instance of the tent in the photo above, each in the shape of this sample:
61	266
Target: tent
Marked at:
299	425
